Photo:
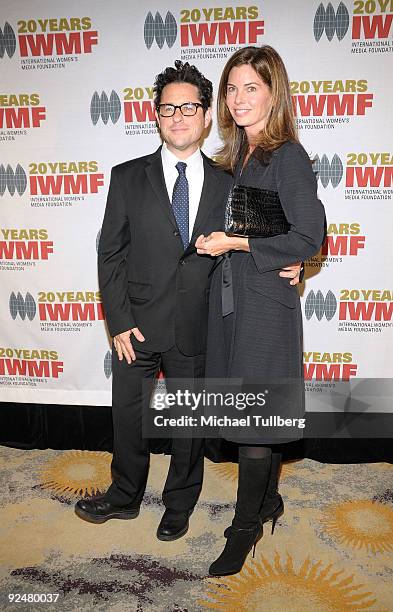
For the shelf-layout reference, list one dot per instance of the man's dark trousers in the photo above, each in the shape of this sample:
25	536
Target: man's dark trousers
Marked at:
132	388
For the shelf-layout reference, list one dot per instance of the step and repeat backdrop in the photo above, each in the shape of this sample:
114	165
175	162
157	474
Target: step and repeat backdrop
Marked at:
76	98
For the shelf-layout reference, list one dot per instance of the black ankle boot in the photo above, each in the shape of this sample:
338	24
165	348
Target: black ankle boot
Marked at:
238	545
246	529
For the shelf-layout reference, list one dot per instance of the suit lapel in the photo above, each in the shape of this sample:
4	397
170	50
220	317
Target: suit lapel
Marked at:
155	175
209	191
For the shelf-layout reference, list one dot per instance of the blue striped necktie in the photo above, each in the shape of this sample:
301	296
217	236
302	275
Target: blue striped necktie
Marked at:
180	203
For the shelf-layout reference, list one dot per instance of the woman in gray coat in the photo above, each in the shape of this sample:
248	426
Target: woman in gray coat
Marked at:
255	324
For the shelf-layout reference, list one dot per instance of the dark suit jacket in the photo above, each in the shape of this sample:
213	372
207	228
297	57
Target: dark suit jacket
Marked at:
146	278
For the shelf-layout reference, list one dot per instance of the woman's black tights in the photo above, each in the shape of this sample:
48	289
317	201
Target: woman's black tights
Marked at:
255	452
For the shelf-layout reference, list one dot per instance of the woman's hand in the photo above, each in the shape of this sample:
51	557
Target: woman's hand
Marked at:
218	243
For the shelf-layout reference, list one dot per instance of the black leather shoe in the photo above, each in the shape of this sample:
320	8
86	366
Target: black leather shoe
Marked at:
98	510
173	525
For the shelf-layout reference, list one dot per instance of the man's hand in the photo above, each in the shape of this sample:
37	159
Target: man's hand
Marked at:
293	272
123	346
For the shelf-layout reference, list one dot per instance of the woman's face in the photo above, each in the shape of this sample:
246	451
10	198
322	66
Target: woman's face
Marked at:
248	99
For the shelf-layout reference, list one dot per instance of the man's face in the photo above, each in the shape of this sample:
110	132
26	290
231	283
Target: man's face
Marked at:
182	134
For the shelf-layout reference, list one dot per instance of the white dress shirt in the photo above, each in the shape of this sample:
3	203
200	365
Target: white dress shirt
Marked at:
194	174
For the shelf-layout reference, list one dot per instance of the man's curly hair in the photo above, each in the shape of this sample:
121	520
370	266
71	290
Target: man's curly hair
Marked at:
184	73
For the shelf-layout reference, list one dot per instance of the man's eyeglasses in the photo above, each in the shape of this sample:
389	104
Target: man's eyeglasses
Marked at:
188	109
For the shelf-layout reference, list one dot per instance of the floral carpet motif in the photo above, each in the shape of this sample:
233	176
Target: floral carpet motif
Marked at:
332	550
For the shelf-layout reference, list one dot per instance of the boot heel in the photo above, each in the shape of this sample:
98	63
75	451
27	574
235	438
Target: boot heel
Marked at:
275	516
259	536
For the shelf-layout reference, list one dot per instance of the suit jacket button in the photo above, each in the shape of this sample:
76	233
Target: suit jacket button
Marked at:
182	263
176	233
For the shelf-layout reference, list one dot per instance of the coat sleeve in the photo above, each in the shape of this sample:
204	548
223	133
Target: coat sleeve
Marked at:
112	261
297	189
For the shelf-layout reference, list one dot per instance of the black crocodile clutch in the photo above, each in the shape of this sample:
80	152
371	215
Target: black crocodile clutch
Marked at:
254	212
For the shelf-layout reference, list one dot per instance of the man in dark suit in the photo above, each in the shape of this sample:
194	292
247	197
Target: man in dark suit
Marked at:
155	293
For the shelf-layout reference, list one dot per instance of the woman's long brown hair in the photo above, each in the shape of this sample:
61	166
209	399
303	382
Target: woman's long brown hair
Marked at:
280	125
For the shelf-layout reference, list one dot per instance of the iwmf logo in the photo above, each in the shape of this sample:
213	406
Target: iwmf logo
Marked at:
25	244
320	305
108	364
326	20
361	170
318	366
21	111
34	363
343	239
137	105
101	106
160	31
13	180
49	37
371	20
328	171
58	306
24	306
7	41
339	98
231	25
353	305
52	178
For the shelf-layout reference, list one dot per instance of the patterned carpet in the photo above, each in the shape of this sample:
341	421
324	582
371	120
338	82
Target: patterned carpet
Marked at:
332	550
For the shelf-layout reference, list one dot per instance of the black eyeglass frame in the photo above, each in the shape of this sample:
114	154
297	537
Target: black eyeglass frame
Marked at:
175	106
